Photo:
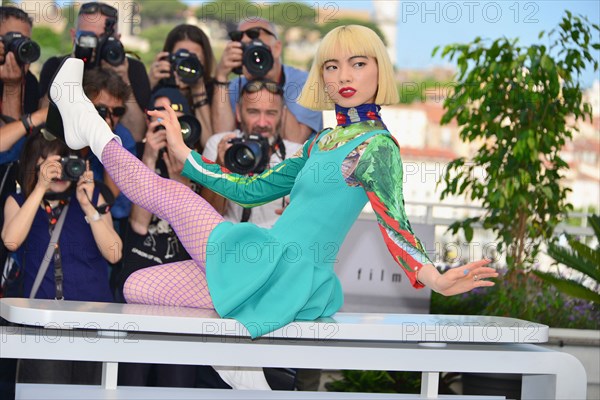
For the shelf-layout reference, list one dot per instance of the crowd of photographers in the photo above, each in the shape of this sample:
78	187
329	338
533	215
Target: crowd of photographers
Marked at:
239	111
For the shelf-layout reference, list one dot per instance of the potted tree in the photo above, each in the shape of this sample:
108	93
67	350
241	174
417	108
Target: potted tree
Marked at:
518	105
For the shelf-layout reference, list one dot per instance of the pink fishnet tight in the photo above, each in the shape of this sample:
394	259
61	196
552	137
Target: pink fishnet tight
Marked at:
191	217
180	284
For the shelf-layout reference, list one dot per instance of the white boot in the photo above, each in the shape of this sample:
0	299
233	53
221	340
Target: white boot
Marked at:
82	124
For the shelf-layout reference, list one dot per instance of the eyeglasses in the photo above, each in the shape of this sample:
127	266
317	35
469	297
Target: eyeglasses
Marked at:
258	85
252	33
105	111
95	7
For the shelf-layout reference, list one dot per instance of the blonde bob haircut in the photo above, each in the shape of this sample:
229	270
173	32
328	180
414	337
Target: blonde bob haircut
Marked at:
353	40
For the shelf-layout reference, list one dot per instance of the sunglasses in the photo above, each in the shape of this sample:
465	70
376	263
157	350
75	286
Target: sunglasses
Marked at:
105	111
258	85
252	33
95	7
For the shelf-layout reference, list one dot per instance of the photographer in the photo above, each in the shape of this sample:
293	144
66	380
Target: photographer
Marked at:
259	113
187	63
298	122
151	241
18	87
54	186
97	23
108	93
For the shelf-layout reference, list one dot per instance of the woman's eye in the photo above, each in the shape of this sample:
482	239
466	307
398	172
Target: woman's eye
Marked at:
360	64
330	67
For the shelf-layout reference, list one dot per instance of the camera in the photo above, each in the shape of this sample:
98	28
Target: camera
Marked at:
26	51
190	130
92	49
257	58
72	168
248	155
186	65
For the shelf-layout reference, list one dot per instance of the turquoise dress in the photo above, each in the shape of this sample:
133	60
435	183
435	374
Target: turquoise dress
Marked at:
267	278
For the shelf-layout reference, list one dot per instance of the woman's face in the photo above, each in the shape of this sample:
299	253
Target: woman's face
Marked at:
193	48
351	79
57	185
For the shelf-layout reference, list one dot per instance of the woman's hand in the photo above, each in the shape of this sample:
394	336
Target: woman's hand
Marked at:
160	68
50	169
167	118
85	190
465	278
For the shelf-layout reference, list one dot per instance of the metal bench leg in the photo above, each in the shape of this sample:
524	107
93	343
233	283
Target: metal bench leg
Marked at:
429	384
110	372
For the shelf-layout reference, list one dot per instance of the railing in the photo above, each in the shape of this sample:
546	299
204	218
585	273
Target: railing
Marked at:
432	212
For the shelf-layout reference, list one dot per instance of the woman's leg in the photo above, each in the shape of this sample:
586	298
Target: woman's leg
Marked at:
192	218
177	284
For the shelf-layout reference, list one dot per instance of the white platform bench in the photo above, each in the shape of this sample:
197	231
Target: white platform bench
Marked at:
113	333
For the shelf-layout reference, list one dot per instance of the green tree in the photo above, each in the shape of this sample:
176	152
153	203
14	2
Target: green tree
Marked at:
515	103
156	37
291	14
51	43
152	11
328	26
229	12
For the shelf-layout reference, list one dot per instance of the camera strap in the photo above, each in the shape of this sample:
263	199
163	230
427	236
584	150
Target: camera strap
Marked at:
52	251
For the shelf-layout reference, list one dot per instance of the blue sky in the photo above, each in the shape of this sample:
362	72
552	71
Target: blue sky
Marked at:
422	25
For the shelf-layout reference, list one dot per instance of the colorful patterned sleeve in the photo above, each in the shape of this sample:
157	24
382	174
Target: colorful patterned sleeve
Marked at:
380	173
247	191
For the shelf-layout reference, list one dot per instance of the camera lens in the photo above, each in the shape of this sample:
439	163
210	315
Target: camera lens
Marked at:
113	52
244	157
28	52
73	167
25	50
247	155
258	59
187	66
190	130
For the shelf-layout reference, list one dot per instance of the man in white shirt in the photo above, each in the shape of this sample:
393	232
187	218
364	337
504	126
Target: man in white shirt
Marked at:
259	112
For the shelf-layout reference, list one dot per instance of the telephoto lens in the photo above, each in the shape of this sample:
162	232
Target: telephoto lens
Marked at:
247	155
26	51
187	66
72	168
257	58
190	130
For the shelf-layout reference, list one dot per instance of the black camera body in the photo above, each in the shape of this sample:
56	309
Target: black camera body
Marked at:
92	49
72	168
248	154
186	65
26	51
257	58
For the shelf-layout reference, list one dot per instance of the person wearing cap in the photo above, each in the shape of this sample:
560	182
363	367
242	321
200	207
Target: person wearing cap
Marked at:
92	17
259	112
298	122
150	241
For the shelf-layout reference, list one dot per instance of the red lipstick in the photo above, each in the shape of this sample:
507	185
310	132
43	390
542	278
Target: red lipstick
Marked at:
347	92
